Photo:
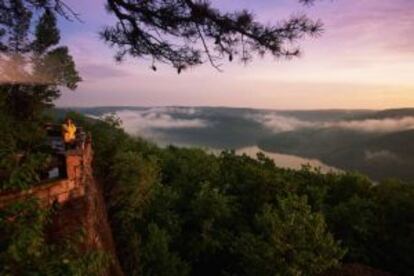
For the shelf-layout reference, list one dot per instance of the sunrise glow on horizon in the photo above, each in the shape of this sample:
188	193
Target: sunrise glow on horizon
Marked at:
363	59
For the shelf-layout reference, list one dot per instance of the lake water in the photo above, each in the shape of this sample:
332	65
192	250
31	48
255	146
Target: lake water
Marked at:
281	160
287	161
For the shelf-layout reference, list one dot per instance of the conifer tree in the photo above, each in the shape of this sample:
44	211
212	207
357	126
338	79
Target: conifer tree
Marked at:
185	33
33	68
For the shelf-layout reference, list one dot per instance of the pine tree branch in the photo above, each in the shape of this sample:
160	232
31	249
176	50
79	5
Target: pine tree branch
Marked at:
180	32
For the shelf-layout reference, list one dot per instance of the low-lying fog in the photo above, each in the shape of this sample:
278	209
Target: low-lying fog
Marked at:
291	138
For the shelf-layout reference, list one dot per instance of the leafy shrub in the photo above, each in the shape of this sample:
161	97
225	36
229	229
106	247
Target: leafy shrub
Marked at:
190	212
25	249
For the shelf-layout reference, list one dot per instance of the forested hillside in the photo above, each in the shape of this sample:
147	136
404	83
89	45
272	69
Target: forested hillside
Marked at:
114	203
375	143
379	155
185	212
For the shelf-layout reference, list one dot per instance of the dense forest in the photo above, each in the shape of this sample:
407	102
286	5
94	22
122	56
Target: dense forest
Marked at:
186	212
176	211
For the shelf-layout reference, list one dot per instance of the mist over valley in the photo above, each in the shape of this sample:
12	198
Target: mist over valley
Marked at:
376	143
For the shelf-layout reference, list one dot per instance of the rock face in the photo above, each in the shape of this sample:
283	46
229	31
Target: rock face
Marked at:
78	202
89	211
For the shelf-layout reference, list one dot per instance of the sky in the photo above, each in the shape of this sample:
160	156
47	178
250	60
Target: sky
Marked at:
363	60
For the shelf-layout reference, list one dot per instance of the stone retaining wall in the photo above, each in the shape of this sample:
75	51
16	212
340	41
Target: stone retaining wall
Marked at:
60	190
82	206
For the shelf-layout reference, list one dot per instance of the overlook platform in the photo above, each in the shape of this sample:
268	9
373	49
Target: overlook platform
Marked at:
62	182
69	181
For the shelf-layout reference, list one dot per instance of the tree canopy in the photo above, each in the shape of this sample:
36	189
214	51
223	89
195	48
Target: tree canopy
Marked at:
182	211
185	33
30	53
33	68
178	211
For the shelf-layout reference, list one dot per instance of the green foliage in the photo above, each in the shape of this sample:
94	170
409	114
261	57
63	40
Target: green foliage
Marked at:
33	68
25	250
394	235
157	258
22	151
23	173
184	211
289	240
375	222
58	67
186	33
47	33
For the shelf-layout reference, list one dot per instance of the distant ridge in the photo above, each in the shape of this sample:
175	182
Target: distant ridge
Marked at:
388	113
345	139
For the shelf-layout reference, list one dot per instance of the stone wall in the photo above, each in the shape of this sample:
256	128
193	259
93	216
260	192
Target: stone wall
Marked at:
60	190
81	204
